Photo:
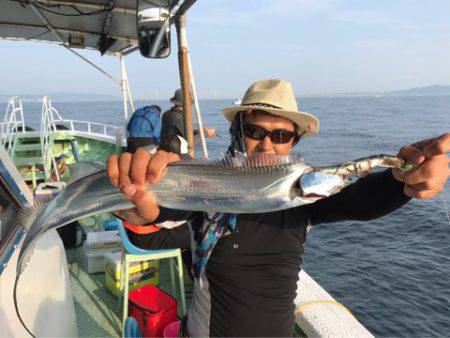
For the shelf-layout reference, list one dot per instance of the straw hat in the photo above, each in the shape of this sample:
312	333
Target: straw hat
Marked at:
275	97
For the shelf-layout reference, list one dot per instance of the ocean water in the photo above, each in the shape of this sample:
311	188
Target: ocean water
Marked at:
393	273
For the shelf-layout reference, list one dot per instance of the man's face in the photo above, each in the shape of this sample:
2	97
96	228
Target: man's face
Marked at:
269	123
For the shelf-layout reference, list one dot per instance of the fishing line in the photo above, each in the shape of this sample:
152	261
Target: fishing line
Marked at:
444	202
241	117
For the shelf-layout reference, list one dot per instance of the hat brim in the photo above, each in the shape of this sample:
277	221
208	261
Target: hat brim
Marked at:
308	124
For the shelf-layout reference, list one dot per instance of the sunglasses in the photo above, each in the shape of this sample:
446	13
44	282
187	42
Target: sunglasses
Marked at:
279	136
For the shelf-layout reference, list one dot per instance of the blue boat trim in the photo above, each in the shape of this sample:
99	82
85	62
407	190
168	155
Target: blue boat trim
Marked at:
9	180
9	253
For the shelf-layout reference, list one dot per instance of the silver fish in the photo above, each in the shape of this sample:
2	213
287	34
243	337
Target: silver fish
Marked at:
240	184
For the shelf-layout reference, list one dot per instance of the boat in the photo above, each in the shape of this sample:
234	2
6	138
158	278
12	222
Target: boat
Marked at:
237	102
58	296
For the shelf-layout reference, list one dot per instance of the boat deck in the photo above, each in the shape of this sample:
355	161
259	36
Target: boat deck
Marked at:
98	311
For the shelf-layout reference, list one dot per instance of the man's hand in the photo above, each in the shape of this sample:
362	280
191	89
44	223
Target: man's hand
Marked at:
132	174
429	178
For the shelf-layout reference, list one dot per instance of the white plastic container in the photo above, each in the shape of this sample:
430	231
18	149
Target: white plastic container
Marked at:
96	258
97	245
103	240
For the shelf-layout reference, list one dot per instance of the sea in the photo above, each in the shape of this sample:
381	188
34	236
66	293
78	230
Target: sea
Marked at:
393	273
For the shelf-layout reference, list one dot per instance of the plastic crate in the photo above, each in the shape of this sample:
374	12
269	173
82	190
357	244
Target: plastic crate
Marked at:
153	309
139	273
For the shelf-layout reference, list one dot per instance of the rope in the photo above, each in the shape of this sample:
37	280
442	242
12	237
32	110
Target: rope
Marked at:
445	206
264	105
315	302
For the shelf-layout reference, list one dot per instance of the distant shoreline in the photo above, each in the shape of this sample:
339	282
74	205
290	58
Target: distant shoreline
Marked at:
55	100
435	90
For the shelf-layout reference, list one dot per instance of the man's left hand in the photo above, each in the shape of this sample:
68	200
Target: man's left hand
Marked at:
429	178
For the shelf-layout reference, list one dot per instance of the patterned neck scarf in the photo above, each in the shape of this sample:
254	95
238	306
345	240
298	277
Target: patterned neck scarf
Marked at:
207	231
209	228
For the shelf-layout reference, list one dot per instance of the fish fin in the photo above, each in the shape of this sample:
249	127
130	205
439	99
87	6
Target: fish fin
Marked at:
82	169
242	160
258	160
27	215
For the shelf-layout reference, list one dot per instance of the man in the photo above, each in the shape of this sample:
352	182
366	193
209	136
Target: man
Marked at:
173	134
246	285
144	128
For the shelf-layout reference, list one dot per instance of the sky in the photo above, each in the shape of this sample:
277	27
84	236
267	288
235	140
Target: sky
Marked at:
320	46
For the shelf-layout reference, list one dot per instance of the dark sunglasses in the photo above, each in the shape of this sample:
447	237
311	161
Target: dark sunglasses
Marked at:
278	136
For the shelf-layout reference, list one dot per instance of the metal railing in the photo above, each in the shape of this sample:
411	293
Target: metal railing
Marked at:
48	117
13	122
90	128
52	121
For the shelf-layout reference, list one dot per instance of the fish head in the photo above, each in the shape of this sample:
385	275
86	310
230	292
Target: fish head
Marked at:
318	185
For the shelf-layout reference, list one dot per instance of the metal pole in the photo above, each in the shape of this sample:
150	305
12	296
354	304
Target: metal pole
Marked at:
197	107
185	84
128	89
129	95
72	3
92	64
124	88
184	7
64	43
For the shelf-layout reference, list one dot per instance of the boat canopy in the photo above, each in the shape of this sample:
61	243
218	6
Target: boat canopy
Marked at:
108	26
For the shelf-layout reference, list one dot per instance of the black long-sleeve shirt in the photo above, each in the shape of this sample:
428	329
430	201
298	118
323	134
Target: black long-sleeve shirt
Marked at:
172	126
252	273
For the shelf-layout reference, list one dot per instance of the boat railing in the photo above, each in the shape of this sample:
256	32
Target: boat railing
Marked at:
91	128
13	122
52	121
48	116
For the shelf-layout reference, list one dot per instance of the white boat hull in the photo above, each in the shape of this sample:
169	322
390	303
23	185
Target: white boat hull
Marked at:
44	294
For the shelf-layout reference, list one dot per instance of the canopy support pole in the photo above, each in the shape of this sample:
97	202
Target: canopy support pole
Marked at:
104	72
127	83
65	45
185	83
129	95
197	106
123	84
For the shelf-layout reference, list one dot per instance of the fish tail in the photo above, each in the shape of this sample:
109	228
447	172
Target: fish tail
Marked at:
26	217
16	306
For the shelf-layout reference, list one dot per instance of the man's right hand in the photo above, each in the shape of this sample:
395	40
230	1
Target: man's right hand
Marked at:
132	174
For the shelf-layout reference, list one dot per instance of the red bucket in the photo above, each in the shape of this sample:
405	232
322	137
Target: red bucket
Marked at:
153	309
